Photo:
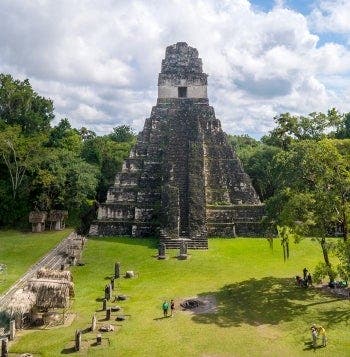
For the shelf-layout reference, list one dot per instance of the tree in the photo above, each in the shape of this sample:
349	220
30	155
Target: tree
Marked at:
19	153
86	134
256	158
108	155
65	137
343	131
21	105
260	169
343	253
290	128
122	133
313	193
64	181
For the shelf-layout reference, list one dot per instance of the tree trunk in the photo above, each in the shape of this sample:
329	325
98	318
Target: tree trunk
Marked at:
345	221
326	257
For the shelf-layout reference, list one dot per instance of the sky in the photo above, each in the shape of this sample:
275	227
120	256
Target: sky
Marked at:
99	60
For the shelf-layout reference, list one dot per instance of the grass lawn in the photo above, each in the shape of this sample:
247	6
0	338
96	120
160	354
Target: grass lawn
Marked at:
260	310
20	250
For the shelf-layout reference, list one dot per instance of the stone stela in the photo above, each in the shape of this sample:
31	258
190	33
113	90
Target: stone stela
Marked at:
182	179
161	251
183	251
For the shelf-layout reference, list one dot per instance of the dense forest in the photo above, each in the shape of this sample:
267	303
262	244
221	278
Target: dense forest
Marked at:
44	167
300	169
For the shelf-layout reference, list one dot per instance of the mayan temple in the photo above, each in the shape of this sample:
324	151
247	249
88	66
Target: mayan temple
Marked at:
182	180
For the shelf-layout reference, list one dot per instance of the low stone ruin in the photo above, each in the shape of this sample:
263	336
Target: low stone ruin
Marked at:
57	219
107	328
37	219
74	249
129	274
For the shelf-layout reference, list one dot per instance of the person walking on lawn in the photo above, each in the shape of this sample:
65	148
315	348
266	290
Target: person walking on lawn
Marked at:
165	308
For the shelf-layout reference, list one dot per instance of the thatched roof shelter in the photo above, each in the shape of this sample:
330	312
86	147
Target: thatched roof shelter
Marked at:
51	293
44	273
22	302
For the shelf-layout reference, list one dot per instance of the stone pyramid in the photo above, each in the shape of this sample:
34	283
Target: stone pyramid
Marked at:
182	180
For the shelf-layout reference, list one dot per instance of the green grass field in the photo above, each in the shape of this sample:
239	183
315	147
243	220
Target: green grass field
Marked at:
20	250
260	310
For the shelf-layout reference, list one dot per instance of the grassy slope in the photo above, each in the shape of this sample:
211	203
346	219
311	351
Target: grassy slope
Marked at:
261	311
20	250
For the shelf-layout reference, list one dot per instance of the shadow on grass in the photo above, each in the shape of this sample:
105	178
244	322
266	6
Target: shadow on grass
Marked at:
146	242
268	300
68	350
309	346
333	317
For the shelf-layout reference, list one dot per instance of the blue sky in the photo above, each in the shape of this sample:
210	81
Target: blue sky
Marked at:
99	61
302	6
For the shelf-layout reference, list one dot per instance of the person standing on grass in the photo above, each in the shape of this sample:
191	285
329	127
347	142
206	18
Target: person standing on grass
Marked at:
172	307
309	280
305	271
322	333
314	335
165	307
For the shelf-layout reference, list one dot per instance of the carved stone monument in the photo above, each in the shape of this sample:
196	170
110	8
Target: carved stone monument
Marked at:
12	330
108	313
182	179
4	347
93	323
161	251
108	292
183	250
104	304
116	270
98	339
77	340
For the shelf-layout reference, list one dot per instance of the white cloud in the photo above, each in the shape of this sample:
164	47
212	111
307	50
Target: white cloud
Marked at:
99	61
331	16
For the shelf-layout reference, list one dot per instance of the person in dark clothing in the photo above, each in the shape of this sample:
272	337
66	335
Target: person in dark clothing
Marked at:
305	271
309	280
298	280
172	307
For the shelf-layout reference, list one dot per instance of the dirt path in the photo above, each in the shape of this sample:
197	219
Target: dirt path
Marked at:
53	260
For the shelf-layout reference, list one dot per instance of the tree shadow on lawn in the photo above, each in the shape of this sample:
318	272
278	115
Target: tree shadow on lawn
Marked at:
333	316
268	300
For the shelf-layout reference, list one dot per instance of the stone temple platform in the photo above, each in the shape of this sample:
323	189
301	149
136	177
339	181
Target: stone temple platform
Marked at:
182	179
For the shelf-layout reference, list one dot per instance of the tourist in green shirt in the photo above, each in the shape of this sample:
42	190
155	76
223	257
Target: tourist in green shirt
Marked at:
165	307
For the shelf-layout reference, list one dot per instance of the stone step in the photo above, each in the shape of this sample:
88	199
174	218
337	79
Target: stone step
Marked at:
195	243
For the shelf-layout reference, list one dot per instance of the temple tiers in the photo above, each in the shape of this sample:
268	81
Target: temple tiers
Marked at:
182	180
